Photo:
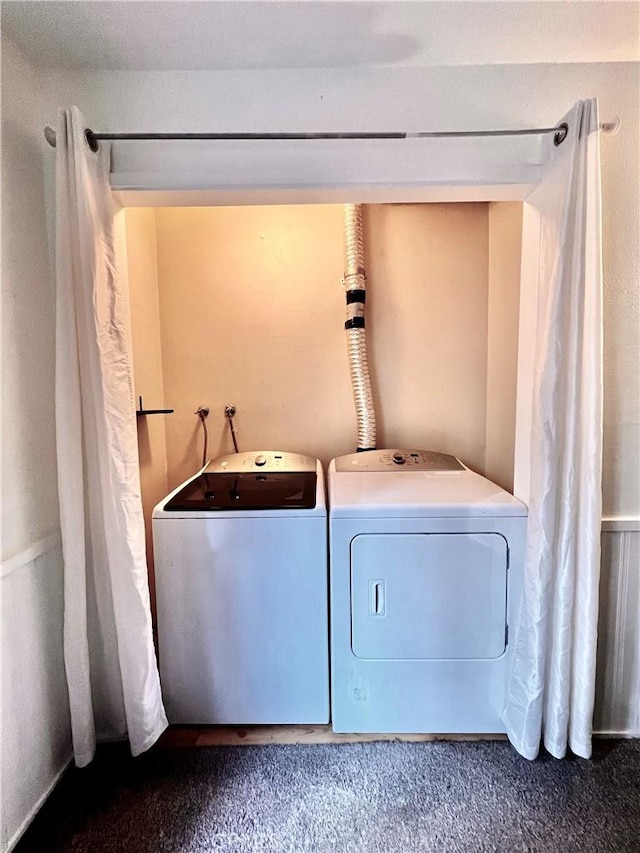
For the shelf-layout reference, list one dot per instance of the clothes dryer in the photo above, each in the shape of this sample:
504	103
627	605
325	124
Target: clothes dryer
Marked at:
426	563
241	587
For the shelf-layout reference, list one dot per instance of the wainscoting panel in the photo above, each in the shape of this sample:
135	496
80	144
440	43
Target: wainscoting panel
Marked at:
618	676
36	739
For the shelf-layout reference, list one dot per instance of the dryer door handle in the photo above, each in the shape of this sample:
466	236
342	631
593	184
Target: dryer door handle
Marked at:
377	598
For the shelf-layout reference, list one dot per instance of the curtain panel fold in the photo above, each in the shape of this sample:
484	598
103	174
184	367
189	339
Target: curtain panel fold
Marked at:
112	675
552	683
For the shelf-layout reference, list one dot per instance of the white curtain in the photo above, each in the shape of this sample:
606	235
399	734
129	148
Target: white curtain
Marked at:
552	683
112	676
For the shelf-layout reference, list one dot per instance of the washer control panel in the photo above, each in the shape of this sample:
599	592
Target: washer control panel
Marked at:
261	461
398	460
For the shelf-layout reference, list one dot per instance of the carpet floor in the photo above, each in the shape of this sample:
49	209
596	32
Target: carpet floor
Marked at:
345	798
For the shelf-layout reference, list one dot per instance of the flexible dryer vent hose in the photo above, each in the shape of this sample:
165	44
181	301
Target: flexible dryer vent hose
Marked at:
355	283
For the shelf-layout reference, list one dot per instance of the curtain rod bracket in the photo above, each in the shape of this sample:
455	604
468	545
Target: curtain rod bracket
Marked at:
92	142
50	136
561	134
611	127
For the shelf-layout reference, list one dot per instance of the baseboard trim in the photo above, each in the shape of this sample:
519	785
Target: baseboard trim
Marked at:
17	835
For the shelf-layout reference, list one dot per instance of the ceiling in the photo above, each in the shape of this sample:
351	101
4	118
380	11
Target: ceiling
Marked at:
267	34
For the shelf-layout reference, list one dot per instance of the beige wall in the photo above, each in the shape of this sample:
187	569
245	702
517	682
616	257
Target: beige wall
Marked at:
428	325
505	244
28	308
252	312
34	708
142	273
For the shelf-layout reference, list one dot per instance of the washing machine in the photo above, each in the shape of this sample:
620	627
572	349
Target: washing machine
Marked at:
242	592
426	566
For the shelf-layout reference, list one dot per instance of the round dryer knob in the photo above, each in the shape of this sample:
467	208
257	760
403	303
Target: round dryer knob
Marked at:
398	458
260	460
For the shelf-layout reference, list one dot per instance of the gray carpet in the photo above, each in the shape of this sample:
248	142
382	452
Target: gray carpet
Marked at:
345	798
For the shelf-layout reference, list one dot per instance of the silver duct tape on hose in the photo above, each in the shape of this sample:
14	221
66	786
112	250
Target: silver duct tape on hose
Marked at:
355	282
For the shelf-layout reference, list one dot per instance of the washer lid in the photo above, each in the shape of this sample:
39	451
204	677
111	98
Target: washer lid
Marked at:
418	494
246	491
279	498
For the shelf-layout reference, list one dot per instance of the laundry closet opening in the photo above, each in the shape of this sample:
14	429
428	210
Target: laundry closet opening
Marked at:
245	305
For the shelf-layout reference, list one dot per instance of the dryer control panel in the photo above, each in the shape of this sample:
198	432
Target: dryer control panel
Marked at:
398	460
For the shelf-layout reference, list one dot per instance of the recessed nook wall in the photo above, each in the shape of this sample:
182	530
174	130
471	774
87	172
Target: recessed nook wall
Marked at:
250	311
142	274
505	251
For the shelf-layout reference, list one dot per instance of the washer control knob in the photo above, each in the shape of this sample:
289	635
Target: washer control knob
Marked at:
398	458
260	460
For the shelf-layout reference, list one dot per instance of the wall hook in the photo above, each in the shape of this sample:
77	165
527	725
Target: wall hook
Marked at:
141	411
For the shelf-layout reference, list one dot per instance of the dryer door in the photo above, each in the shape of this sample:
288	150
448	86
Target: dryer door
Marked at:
428	596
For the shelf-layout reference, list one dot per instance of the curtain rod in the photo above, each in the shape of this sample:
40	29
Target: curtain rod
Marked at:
559	130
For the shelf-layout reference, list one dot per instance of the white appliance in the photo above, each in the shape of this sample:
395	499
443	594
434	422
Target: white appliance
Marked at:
241	587
426	561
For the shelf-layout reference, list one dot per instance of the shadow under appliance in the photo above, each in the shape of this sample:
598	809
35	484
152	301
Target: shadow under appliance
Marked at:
241	586
426	561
